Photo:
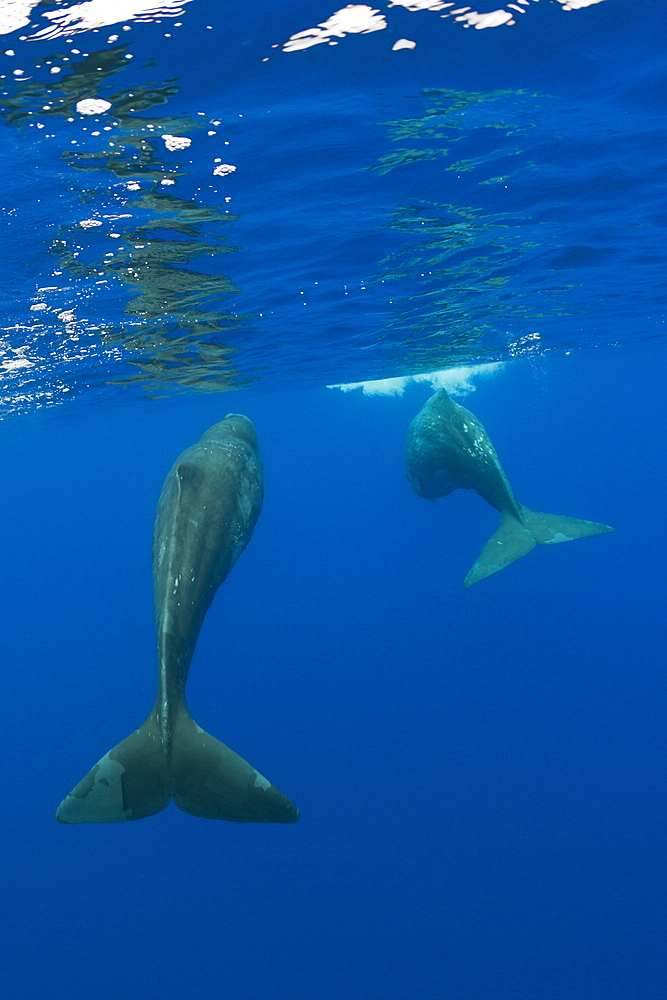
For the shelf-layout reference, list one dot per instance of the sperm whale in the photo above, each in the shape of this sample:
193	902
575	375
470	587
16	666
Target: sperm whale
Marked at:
447	448
206	513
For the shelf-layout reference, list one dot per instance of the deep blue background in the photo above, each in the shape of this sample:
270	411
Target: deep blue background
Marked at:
480	773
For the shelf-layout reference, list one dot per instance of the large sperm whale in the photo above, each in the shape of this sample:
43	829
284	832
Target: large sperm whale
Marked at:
447	448
205	517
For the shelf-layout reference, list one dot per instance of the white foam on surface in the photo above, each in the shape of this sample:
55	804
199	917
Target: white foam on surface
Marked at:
458	381
360	18
492	19
577	4
356	18
173	142
92	106
15	14
102	13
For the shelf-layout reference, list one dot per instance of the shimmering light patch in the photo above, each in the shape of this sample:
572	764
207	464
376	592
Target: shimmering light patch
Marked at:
223	169
458	381
89	223
13	358
173	142
101	13
91	106
39	362
356	18
15	14
403	43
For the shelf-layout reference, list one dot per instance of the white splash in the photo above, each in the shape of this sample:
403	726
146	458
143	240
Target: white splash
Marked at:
356	18
458	381
92	106
403	43
102	13
223	169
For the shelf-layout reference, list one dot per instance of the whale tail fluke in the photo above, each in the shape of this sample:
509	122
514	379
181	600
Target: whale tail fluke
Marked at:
203	776
210	780
515	537
129	782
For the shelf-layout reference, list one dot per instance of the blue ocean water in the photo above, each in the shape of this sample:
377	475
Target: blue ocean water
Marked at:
480	773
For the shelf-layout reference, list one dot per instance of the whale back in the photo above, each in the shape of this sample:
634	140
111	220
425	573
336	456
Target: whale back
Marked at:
205	517
448	448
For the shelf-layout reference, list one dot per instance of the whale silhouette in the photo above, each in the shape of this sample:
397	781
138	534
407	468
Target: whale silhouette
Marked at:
447	448
205	517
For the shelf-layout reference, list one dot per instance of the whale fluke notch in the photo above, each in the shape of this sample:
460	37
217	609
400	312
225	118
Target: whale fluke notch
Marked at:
203	776
517	535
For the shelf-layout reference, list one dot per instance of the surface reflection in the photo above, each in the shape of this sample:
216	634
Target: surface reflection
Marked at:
156	251
468	261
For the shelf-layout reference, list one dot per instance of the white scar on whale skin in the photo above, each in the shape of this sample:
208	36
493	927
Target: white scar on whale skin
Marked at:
105	801
261	782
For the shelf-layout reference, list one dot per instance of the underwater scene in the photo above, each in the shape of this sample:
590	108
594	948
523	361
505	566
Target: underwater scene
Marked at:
323	328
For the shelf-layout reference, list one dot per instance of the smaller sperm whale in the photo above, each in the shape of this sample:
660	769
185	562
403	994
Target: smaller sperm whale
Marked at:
447	449
205	517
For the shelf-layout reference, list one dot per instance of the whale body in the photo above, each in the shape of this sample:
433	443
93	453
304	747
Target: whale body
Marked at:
447	449
206	514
